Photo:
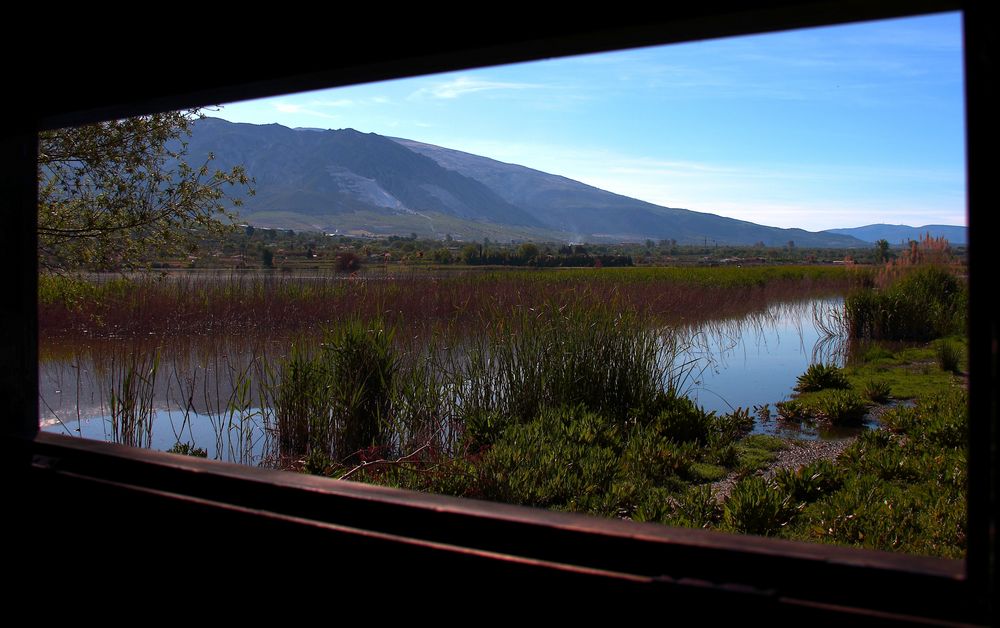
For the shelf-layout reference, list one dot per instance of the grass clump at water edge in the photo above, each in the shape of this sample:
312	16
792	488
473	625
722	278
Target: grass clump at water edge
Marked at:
335	399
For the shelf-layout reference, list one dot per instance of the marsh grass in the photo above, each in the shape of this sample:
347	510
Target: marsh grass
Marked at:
924	303
335	399
949	356
606	359
269	303
131	394
564	395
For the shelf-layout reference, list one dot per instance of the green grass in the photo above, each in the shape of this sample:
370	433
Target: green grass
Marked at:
910	372
336	400
876	372
757	451
903	488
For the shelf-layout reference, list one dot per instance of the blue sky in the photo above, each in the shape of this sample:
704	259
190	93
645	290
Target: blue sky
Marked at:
820	128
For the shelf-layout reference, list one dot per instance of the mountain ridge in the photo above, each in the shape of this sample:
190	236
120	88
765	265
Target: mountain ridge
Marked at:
901	234
347	181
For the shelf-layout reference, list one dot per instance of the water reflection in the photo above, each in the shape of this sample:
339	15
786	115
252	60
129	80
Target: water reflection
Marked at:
210	393
203	392
754	362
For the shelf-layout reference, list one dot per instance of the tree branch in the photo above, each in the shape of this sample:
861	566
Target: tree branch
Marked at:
369	463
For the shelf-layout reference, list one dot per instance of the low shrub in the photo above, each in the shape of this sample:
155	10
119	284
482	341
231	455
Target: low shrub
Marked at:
756	507
680	419
821	377
901	488
876	391
842	407
792	410
734	425
809	482
696	508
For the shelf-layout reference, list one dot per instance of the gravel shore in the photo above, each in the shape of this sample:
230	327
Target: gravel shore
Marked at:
799	452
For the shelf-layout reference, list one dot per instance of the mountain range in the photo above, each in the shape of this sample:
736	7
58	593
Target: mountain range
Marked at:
896	235
345	181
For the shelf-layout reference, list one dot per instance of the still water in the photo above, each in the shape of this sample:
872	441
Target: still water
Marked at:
754	362
207	392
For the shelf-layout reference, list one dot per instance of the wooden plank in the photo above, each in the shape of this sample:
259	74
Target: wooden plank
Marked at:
820	574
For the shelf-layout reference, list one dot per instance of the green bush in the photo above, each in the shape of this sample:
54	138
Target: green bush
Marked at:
842	407
734	425
927	303
820	377
792	410
696	508
680	419
809	482
876	391
756	507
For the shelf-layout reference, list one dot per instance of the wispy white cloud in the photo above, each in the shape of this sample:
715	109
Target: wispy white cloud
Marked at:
464	85
341	103
297	109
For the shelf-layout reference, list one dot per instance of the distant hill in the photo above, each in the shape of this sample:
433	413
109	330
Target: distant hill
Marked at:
901	234
345	181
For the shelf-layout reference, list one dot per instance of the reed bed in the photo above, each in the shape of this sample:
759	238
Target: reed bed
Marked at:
923	303
267	304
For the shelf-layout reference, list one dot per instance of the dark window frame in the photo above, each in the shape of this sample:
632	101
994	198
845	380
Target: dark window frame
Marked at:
55	476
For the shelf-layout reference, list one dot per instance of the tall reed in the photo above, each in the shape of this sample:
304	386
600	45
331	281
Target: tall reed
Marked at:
927	302
133	380
336	399
266	304
598	357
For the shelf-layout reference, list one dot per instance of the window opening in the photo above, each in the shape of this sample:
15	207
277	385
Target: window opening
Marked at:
409	312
